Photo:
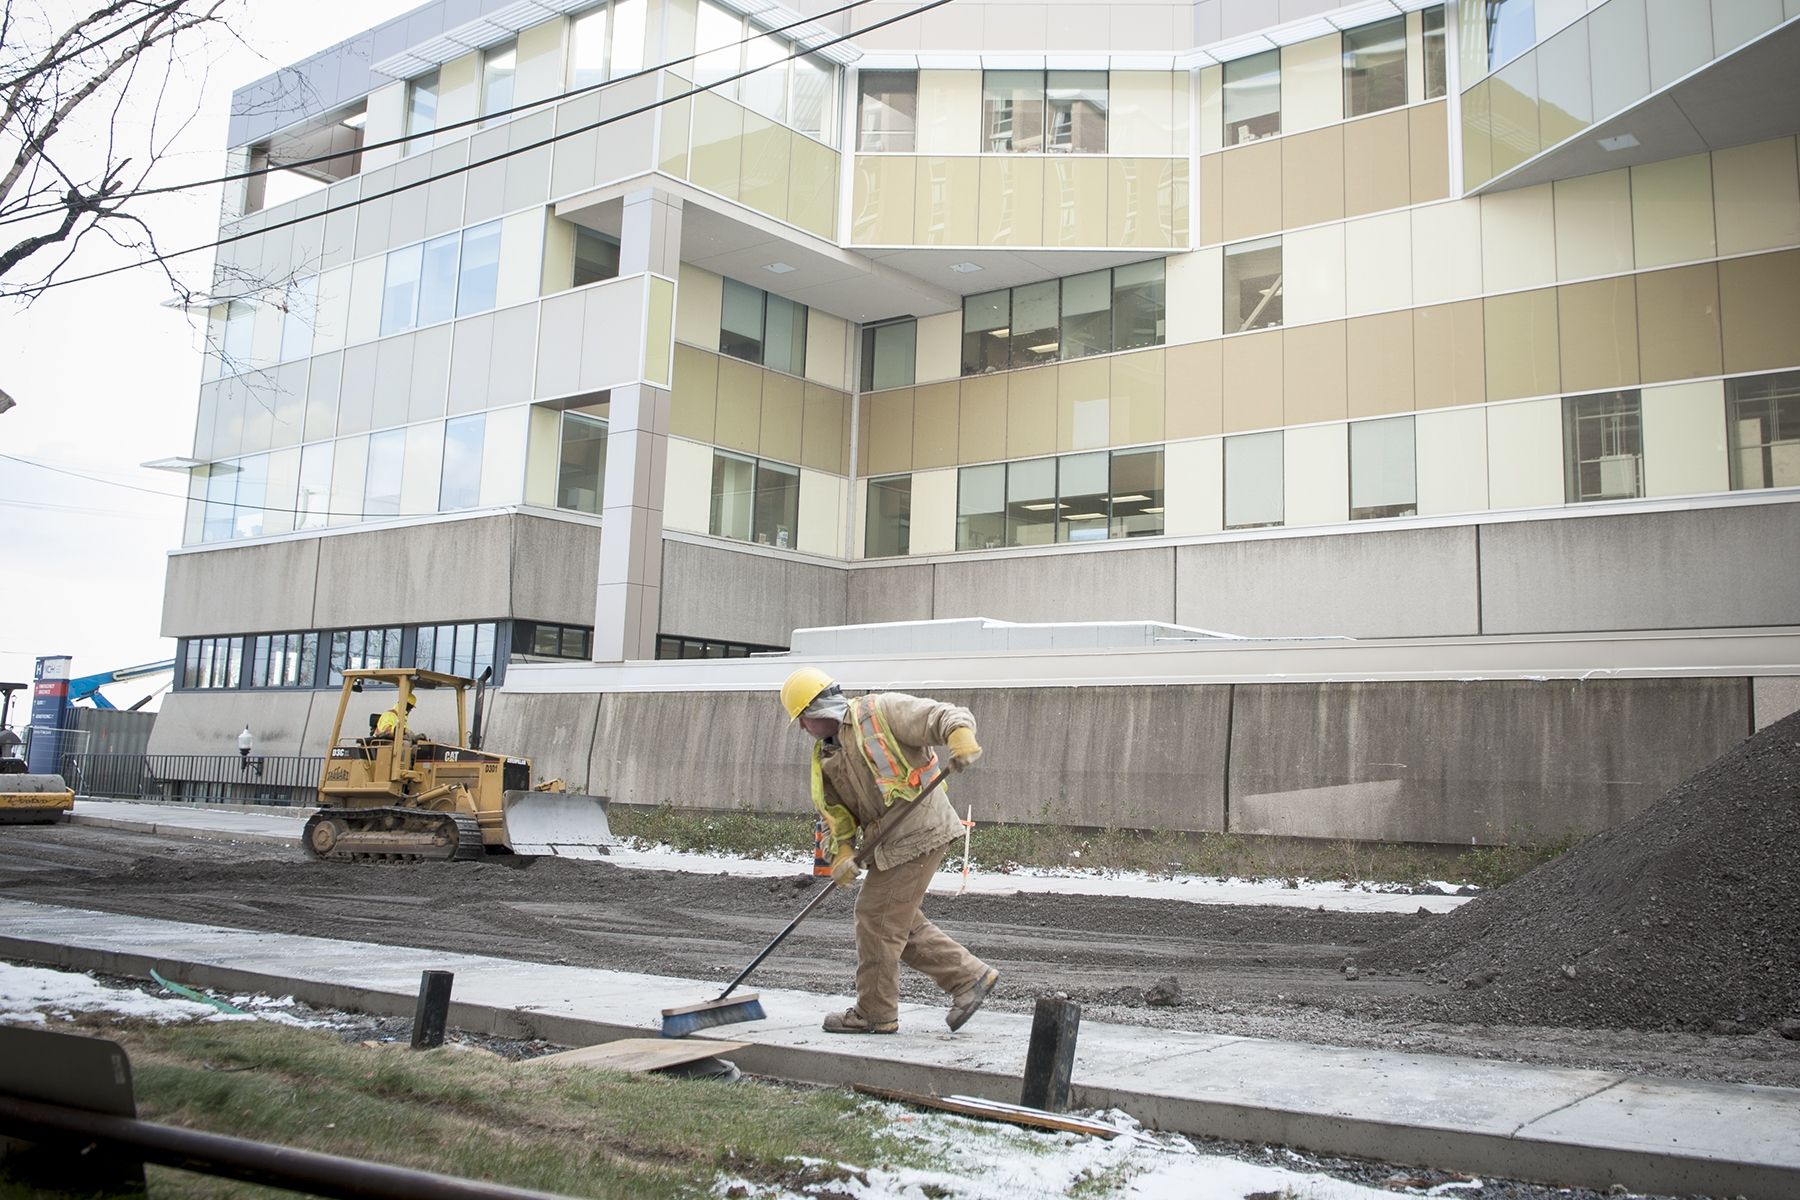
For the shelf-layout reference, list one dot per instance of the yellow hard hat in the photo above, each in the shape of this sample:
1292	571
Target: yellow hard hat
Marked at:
802	688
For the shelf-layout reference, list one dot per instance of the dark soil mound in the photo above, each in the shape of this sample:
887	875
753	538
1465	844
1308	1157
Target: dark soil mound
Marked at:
1687	916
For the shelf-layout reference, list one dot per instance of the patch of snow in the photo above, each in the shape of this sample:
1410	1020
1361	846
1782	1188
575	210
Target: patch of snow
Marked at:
28	994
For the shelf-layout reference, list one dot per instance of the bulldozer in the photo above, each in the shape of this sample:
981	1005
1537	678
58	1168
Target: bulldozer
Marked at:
394	794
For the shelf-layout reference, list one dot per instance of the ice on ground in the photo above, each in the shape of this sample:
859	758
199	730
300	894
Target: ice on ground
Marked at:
30	994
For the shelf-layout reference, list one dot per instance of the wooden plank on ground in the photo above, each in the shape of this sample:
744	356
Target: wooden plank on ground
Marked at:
994	1110
639	1054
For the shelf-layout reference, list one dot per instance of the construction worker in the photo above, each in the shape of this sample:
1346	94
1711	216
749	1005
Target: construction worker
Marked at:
871	758
389	723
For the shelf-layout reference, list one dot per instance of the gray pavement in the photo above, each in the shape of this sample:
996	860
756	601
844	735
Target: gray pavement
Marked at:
1563	1127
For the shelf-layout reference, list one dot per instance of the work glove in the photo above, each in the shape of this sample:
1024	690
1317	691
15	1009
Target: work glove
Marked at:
843	867
963	748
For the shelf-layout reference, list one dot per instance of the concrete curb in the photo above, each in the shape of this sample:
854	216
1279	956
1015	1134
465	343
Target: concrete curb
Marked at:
188	831
1556	1158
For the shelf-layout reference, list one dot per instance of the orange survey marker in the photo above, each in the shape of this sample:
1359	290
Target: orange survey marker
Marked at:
968	824
821	864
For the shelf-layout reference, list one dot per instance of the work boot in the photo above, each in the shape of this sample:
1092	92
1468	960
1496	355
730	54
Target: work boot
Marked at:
965	1002
852	1021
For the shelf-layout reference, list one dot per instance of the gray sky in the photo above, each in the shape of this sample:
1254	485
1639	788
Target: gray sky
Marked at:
105	378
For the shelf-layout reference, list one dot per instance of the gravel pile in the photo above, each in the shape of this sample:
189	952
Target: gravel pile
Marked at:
1686	917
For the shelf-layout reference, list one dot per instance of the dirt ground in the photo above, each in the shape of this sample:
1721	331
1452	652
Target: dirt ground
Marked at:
1256	971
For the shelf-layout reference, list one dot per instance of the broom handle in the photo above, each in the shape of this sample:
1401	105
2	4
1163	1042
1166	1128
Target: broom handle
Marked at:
868	848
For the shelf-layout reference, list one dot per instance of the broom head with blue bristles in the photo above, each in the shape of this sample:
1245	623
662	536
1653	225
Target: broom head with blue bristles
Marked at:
680	1022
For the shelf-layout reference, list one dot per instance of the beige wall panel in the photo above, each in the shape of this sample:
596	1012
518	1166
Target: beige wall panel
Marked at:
1313	374
1446	260
386	108
1083	391
1678	323
1140	202
1449	355
687	487
932	522
557	274
1181	199
1031	412
1565	94
697	307
1075	199
1415	58
949	112
1477	165
938	349
1194	487
1378	263
1513	113
889	433
503	457
859	535
1597	331
1377	163
423	469
823	428
1451	446
1518	239
1137	397
782	403
1315	475
766	166
1525	454
812	192
542	450
981	428
1252	381
673	134
881	211
1212	200
1195	286
1140	114
540	61
1212	109
521	257
694	398
1759	301
739	423
1684	439
1251	199
826	338
1312	264
1593	225
1737	21
364	323
1522	351
1012	201
1756	196
1672	211
716	161
944	209
459	94
1428	145
1312	84
1194	393
936	417
1378	355
821	515
1312	177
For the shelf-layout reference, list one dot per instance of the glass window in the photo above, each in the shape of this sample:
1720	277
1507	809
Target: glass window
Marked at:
812	107
252	489
421	111
1762	420
1252	88
381	486
1137	301
733	485
313	506
1087	314
1603	446
460	484
888	110
1137	493
1012	112
777	514
987	332
581	473
596	256
234	662
741	322
1383	471
400	290
889	355
1375	67
1436	78
1083	493
1253	285
240	333
766	91
717	53
887	529
587	48
1076	111
221	490
437	280
784	336
301	315
981	507
1031	502
1035	324
478	279
1511	31
498	63
1253	480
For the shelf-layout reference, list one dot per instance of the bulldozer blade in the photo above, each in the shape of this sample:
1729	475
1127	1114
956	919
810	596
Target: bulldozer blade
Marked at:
556	824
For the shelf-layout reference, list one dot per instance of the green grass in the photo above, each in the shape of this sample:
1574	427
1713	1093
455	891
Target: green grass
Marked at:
1010	847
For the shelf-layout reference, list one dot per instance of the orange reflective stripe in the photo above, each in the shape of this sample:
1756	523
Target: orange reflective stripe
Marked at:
893	775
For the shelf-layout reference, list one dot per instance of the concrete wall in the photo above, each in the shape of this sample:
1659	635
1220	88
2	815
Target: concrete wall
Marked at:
716	590
281	722
555	569
241	589
1119	585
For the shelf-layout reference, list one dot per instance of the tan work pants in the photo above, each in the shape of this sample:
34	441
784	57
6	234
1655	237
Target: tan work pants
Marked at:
891	930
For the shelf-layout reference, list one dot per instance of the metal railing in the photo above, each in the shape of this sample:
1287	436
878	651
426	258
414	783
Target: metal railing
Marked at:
205	778
119	776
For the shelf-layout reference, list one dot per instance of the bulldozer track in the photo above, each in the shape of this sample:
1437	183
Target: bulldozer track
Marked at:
411	834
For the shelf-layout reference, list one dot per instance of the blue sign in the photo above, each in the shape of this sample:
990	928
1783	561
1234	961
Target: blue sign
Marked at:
49	713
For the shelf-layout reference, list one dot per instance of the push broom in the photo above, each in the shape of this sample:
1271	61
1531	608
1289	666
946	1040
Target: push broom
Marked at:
729	1009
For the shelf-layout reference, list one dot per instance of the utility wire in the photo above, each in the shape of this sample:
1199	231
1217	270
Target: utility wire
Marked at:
407	138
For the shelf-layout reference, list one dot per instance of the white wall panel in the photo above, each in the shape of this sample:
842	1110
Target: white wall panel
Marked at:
1525	454
1684	439
1446	258
521	257
687	489
1378	271
939	349
1518	239
933	520
1312	265
503	457
1312	84
699	298
1194	487
1453	460
1316	475
949	120
1196	295
821	510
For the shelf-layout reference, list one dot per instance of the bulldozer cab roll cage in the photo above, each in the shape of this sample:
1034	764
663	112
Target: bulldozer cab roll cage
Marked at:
405	681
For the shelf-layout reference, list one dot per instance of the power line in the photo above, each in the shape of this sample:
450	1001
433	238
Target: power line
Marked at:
407	138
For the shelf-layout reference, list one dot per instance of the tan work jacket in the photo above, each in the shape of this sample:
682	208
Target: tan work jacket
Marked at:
919	725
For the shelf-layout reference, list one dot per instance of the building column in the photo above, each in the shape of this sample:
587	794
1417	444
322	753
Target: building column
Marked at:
628	595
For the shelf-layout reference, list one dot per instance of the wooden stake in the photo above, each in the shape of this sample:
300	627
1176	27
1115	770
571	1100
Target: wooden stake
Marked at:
433	1009
1050	1060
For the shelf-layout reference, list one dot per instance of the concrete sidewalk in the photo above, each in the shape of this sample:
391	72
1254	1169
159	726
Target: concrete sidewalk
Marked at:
1563	1127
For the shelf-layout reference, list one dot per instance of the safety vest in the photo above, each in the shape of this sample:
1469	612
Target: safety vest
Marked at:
897	778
